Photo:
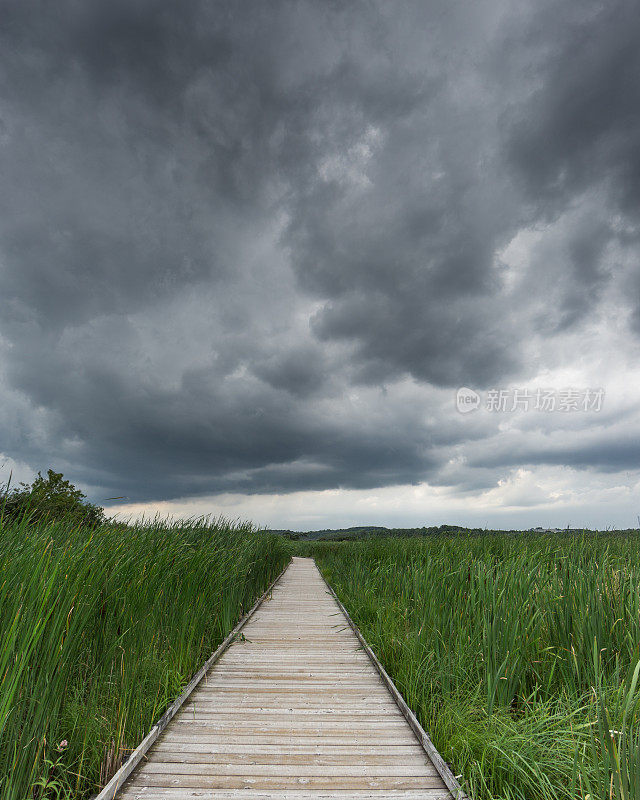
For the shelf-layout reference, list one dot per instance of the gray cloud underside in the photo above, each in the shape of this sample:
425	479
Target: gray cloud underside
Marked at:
254	247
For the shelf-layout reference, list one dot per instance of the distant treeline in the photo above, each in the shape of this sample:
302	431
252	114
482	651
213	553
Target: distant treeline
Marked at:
373	532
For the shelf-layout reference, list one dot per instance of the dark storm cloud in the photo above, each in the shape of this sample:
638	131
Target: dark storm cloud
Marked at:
577	134
245	247
614	454
582	125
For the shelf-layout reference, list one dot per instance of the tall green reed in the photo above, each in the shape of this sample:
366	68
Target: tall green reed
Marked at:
491	639
614	745
100	630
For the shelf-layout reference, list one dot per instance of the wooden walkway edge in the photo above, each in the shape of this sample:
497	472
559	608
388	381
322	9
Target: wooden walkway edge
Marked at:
294	704
113	786
423	737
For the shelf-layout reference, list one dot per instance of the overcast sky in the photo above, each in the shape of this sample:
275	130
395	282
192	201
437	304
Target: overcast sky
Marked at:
249	252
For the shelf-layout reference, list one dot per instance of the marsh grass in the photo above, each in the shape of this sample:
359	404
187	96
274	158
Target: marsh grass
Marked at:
518	653
100	630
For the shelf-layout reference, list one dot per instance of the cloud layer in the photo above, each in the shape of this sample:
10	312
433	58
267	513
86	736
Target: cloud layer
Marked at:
256	248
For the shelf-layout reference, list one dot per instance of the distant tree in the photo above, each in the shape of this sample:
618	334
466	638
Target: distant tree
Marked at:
51	498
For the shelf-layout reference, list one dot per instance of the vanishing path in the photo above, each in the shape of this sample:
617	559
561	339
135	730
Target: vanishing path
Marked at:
293	710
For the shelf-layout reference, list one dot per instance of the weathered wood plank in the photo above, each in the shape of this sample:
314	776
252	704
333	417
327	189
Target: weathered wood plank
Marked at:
274	794
284	770
287	750
292	740
195	754
283	782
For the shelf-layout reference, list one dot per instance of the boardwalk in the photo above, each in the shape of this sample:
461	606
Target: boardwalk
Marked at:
293	710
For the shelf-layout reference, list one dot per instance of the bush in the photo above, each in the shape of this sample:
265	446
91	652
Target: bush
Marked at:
49	499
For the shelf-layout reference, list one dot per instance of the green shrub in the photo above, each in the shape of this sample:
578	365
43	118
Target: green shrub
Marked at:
51	498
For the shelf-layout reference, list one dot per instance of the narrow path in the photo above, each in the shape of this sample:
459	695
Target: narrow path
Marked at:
293	710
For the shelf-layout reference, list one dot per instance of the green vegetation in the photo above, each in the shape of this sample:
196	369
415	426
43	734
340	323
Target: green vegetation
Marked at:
358	532
48	499
518	654
100	629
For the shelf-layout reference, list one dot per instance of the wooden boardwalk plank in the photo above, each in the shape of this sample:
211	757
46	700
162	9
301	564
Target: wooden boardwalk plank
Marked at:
294	708
158	793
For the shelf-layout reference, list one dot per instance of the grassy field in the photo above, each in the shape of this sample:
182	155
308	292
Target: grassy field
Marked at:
518	654
100	629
